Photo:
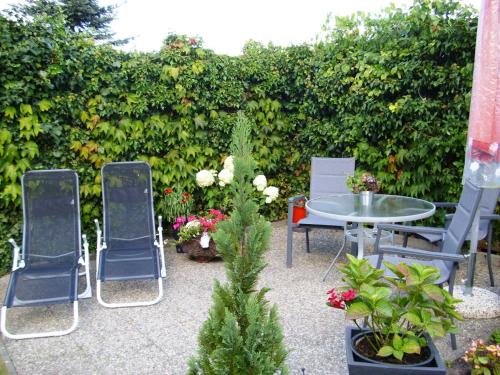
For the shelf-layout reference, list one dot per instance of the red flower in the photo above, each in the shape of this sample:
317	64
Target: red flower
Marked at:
168	191
186	195
214	212
183	201
349	295
339	300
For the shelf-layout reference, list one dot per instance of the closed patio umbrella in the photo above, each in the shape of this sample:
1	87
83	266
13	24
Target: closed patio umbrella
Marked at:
482	158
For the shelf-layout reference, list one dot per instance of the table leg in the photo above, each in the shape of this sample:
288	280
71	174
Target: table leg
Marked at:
472	254
361	240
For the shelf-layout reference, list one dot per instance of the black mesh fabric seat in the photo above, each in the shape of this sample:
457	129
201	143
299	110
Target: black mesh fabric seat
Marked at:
46	271
129	249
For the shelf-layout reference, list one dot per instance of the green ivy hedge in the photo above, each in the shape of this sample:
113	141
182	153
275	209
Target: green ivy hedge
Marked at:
392	90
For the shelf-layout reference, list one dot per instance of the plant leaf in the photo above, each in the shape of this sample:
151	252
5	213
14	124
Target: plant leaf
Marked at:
357	310
385	351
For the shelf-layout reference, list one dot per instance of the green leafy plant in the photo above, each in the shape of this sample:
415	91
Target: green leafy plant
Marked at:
242	335
397	310
392	90
495	336
363	181
175	203
483	358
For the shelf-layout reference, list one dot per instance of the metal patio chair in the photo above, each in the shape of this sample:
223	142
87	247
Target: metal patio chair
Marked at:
129	248
46	269
328	176
449	256
487	206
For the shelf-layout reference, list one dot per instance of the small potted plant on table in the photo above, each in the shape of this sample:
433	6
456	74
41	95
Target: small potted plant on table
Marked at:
195	235
365	184
394	318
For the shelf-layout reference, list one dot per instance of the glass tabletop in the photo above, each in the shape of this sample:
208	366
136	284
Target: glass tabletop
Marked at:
383	209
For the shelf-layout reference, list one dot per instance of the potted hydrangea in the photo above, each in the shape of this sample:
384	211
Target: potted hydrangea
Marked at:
394	317
195	235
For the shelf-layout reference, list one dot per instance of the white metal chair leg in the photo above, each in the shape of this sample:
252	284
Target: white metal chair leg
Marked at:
325	275
20	336
130	304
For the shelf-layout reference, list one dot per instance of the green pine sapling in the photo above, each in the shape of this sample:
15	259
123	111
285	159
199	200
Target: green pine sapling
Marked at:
242	335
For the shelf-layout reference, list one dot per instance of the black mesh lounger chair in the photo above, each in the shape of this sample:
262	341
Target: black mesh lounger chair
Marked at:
128	249
45	270
449	256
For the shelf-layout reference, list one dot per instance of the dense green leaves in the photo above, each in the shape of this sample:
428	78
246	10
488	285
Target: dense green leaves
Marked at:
393	91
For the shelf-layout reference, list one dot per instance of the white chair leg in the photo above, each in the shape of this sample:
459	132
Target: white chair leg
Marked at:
20	336
130	304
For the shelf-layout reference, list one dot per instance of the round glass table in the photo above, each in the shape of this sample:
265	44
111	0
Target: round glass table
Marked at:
382	209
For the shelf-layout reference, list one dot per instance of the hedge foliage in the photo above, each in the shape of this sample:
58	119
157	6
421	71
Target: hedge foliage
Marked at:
392	90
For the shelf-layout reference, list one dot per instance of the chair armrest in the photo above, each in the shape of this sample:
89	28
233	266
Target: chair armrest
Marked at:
296	198
482	217
97	227
445	204
17	260
490	217
81	260
411	229
408	251
100	244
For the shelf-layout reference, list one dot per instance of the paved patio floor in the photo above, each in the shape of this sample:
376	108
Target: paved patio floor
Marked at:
159	339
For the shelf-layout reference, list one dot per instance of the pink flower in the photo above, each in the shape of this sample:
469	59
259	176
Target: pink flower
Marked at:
339	300
191	217
349	295
214	212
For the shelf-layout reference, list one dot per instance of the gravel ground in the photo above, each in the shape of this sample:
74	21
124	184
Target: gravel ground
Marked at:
159	339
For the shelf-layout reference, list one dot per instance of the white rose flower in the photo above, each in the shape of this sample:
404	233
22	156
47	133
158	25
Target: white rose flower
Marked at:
225	177
204	178
260	182
229	164
271	193
214	172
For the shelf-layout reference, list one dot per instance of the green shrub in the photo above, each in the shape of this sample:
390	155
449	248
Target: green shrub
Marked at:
395	96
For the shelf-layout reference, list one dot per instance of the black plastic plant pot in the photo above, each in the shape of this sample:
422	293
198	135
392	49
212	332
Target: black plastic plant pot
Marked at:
360	365
178	247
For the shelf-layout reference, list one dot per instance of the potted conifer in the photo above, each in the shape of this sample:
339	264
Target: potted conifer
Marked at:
242	335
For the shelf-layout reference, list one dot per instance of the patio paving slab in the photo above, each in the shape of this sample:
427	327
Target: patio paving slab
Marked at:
159	339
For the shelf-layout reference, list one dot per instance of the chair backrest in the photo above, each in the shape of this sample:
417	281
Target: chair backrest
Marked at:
487	206
51	210
329	175
462	219
128	213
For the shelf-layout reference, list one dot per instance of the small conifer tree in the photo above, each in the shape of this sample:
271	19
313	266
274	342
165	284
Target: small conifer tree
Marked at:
242	335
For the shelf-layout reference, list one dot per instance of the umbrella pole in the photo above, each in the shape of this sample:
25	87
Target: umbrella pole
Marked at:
472	254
